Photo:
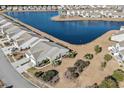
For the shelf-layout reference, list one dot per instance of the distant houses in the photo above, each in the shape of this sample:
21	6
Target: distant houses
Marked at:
92	11
29	8
17	39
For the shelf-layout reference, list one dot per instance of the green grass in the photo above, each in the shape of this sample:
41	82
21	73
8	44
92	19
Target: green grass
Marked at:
109	82
118	75
32	70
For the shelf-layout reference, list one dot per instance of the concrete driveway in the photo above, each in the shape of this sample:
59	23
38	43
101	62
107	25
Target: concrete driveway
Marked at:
10	76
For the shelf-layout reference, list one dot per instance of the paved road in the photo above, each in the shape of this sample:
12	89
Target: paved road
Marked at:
10	76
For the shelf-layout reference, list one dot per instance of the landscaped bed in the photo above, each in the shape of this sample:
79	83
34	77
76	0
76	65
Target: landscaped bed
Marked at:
74	72
50	76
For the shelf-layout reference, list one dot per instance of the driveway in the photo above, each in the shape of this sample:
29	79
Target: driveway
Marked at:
10	76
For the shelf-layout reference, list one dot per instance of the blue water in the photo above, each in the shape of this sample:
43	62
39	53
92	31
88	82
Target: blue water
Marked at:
76	32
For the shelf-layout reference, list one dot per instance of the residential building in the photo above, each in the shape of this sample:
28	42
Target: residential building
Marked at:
45	50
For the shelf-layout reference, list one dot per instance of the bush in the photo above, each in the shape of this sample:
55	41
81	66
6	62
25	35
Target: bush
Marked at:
81	63
97	49
89	56
109	82
38	74
49	75
107	57
57	62
71	73
118	75
72	54
44	62
103	65
95	85
72	69
74	72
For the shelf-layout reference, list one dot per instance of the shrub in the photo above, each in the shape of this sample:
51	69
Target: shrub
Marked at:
49	75
109	82
95	85
97	49
109	38
44	62
71	73
89	56
38	74
107	57
72	54
57	62
74	72
103	64
72	69
118	75
81	63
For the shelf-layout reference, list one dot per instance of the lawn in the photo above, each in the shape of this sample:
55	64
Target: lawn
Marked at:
118	75
32	70
109	82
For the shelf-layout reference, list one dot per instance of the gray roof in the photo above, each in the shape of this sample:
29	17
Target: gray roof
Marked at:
3	22
122	52
11	30
43	50
1	17
23	38
119	33
38	48
121	43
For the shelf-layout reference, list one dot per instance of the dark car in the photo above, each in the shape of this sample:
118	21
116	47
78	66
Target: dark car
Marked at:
11	86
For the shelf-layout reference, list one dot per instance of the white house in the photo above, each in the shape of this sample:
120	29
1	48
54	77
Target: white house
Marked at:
122	28
42	50
118	51
118	37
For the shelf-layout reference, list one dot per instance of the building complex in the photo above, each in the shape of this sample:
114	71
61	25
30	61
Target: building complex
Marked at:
16	39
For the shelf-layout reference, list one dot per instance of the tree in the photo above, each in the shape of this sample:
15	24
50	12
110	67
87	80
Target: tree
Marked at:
97	49
109	82
107	57
88	56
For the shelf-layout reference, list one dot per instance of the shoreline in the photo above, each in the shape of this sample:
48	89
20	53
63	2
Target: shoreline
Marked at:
77	18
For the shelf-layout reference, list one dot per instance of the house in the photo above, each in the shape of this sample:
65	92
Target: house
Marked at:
118	51
45	50
118	37
25	39
122	28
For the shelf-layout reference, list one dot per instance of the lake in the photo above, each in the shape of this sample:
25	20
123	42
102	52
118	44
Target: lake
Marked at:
74	32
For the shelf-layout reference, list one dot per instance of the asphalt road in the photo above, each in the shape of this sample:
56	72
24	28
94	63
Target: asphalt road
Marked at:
10	76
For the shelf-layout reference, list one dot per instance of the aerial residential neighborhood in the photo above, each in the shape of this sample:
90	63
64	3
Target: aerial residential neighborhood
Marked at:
62	46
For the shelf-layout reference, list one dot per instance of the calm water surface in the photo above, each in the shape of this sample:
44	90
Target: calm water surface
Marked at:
76	32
